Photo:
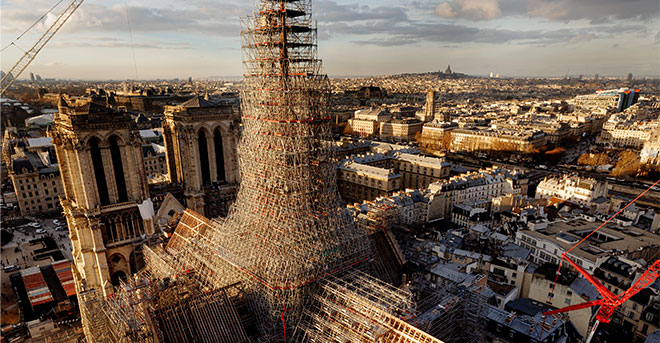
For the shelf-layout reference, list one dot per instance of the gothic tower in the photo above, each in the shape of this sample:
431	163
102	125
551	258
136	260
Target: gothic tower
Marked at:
200	142
106	200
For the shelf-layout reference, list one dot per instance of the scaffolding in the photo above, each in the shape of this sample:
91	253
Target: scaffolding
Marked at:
452	313
359	308
285	241
285	231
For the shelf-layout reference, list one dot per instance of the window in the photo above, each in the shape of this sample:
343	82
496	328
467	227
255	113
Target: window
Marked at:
567	301
115	154
99	175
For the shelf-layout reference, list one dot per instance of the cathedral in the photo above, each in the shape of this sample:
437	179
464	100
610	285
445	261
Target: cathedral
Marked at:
276	258
107	199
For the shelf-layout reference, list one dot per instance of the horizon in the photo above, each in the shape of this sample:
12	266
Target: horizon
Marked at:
512	38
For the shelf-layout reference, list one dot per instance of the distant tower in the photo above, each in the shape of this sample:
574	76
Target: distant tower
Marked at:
200	142
448	70
630	77
430	105
190	80
596	77
106	202
492	75
32	77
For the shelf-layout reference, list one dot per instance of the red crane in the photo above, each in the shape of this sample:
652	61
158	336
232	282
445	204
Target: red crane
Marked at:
609	301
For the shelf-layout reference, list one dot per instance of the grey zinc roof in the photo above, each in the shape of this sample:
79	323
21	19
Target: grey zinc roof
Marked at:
197	102
526	325
584	288
515	251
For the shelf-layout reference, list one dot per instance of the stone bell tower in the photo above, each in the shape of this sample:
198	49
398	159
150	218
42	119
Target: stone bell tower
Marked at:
200	142
106	200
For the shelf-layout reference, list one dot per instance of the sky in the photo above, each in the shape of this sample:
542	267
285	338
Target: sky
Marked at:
200	38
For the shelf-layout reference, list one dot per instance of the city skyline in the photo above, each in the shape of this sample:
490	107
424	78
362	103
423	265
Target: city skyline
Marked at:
506	37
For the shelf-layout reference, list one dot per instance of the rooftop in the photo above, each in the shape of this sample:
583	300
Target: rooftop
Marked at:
609	239
363	169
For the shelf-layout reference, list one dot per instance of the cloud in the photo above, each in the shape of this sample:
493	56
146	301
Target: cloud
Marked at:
593	10
471	9
208	17
331	11
109	42
583	37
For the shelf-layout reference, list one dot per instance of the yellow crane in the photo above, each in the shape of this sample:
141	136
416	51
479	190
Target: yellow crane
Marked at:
27	58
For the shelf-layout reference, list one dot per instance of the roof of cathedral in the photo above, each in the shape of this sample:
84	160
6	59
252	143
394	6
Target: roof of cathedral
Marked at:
197	102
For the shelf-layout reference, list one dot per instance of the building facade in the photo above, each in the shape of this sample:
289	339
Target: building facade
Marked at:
37	185
200	143
572	188
360	182
418	172
472	187
496	140
106	198
400	129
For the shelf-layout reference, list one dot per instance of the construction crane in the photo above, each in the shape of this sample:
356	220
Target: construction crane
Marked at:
609	302
29	55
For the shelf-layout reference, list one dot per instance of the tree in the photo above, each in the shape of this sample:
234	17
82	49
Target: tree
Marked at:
348	130
445	142
587	159
627	165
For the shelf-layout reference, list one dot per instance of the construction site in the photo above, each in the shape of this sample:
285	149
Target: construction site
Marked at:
287	264
290	262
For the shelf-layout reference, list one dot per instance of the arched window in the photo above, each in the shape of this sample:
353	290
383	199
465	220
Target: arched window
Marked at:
97	164
118	167
204	158
219	155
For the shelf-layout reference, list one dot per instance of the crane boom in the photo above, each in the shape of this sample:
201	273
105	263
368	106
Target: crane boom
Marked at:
29	55
609	302
646	279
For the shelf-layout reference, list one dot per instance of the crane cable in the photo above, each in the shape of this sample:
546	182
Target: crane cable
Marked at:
31	26
130	34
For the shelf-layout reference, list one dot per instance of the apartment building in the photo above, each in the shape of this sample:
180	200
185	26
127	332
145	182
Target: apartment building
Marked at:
360	182
650	153
155	162
572	188
420	171
481	139
367	122
37	185
547	242
472	187
400	129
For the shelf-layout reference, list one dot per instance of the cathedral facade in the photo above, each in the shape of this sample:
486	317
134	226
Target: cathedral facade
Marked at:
106	201
200	142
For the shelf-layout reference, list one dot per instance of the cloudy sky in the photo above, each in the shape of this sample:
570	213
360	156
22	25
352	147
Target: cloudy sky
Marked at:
200	38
